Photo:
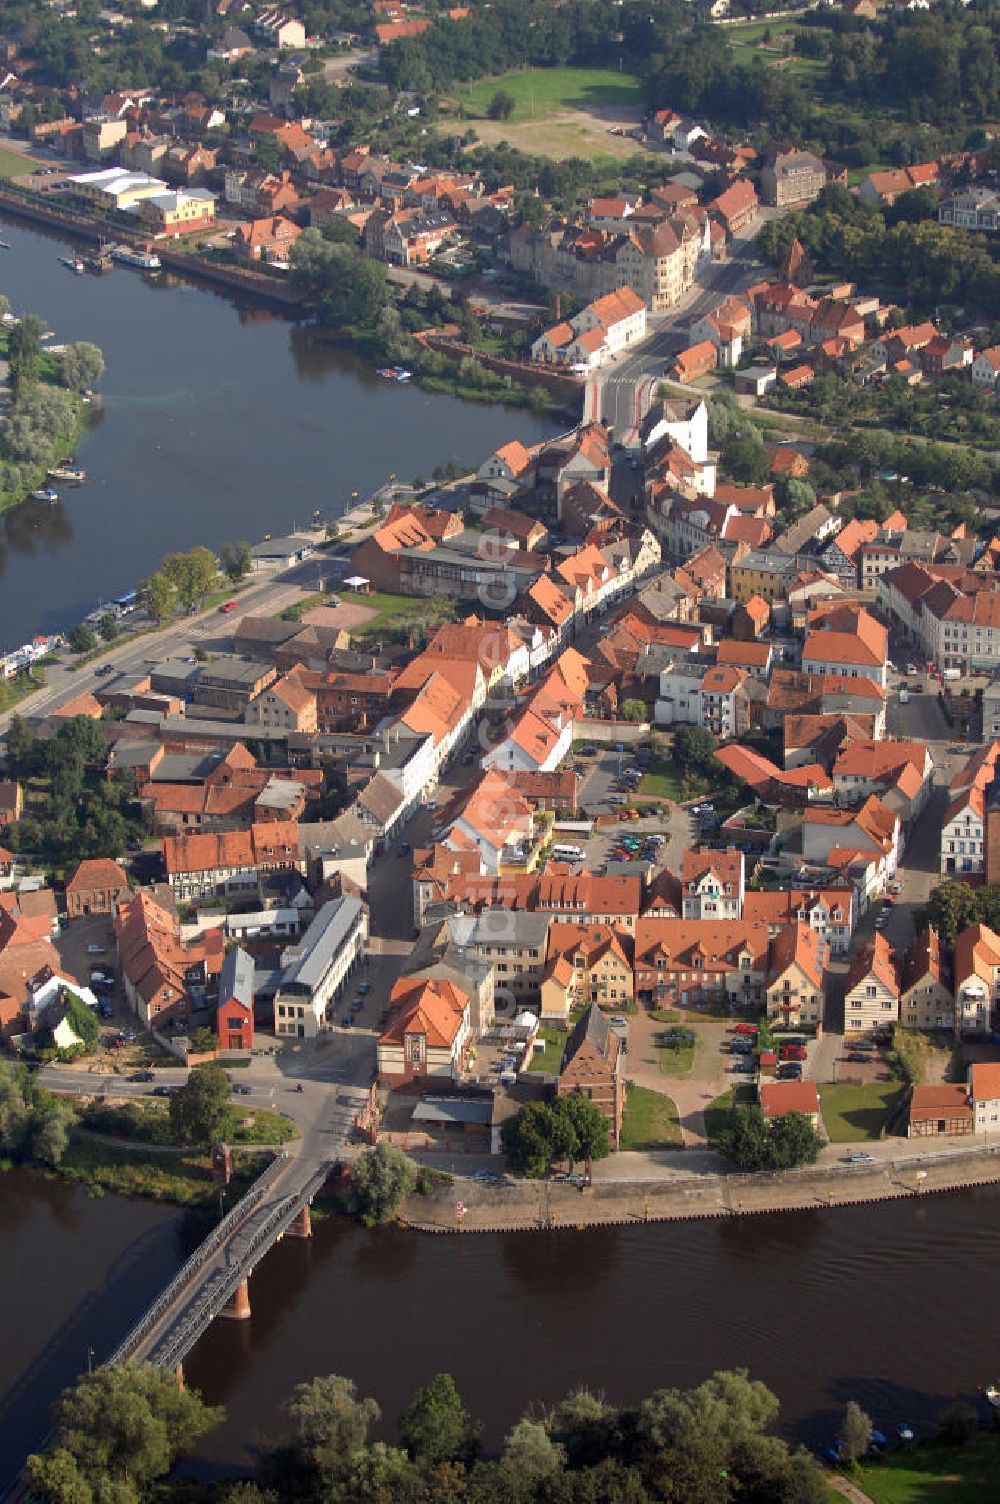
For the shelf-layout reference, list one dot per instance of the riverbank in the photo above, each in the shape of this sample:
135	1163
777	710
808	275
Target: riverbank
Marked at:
543	1205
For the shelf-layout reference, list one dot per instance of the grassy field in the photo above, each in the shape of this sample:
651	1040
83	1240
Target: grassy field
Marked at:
558	112
548	1051
651	1121
746	43
663	781
395	611
856	1113
676	1060
185	1179
13	166
926	1474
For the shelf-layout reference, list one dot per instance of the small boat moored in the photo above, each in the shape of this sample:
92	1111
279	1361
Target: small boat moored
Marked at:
395	373
991	1393
74	263
71	474
45	493
904	1431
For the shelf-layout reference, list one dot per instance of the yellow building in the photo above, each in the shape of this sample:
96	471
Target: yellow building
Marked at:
761	573
178	213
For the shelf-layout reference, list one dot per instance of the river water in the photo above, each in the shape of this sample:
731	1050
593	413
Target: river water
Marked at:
220	421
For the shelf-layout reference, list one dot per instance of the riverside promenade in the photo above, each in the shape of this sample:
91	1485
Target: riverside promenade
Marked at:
467	1206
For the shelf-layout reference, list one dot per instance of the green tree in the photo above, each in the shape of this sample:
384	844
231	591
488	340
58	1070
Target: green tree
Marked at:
855	1432
158	596
501	106
587	1128
194	575
633	710
237	561
107	627
744	457
957	1424
200	1109
331	1424
794	496
744	1139
952	907
793	1141
24	354
339	283
82	639
531	1456
81	366
436	1427
118	1430
380	1179
267	153
694	749
527	1140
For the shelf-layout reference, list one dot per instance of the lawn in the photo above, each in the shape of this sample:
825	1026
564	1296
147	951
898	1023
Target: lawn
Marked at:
663	781
558	112
540	93
13	166
396	610
548	1051
651	1121
676	1060
185	1179
856	1113
925	1474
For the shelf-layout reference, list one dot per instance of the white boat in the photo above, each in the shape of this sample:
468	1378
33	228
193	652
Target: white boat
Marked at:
992	1395
4	245
73	262
68	473
45	493
146	261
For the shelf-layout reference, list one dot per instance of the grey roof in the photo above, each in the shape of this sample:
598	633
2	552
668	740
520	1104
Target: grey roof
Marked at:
175	669
133	754
227	669
266	629
453	1110
381	798
184	767
236	977
307	962
279	548
500	927
280	793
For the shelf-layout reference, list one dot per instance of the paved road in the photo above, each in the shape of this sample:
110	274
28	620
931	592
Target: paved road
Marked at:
626	385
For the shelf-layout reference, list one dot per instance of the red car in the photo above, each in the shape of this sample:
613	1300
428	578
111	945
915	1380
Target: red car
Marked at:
228	606
793	1052
745	1029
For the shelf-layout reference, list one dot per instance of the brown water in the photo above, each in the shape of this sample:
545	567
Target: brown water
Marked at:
220	422
893	1304
74	1274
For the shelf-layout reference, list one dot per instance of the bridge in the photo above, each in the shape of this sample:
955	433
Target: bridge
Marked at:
215	1280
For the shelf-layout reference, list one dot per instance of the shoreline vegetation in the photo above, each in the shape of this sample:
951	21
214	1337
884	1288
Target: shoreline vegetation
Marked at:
47	395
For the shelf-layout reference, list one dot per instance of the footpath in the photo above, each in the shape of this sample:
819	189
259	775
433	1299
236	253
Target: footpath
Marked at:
542	1205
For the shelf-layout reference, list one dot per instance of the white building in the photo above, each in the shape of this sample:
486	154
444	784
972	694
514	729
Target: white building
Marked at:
317	968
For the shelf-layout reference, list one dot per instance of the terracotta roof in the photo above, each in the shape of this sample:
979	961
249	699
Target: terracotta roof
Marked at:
874	959
984	1081
432	1008
780	1097
949	1101
96	873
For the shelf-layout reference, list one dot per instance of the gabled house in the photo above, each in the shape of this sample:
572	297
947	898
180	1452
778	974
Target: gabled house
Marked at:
796	976
593	1065
871	1001
926	998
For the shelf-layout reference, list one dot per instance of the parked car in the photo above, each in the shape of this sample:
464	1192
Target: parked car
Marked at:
792	1052
241	1090
164	1091
141	1076
94	949
104	670
861	1157
744	1028
404	849
228	606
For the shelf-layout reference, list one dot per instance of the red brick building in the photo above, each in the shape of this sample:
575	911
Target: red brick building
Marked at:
234	1021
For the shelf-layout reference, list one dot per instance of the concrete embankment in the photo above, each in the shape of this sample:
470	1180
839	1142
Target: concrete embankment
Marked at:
535	1205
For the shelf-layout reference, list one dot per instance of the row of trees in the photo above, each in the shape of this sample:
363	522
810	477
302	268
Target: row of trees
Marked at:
186	580
563	1131
751	1143
120	1430
953	906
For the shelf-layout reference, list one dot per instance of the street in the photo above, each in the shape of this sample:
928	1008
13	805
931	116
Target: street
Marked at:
626	385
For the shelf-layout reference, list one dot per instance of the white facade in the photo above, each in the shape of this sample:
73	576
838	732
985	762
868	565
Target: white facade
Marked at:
690	433
985	369
317	969
962	843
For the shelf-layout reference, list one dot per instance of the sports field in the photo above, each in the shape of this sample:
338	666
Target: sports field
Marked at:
558	112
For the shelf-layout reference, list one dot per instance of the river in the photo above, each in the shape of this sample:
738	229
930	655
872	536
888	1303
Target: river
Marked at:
220	421
873	1303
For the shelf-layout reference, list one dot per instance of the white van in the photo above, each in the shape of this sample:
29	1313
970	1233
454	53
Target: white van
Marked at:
952	673
568	853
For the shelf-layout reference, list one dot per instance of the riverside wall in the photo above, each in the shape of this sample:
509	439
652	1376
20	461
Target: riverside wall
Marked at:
544	1205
